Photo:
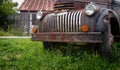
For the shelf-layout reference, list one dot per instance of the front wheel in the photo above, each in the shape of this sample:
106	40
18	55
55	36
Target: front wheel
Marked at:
107	40
51	45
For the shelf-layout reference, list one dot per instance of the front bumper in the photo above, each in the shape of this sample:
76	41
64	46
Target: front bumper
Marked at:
85	37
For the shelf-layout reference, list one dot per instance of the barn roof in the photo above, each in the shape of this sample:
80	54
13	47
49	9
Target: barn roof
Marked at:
35	5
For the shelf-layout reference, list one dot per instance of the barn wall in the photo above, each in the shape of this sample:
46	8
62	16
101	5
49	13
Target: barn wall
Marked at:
23	21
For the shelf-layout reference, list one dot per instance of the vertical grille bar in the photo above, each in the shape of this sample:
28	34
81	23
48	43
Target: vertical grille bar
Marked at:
63	23
80	21
66	25
57	23
77	22
68	21
46	26
53	24
71	22
62	19
50	25
74	22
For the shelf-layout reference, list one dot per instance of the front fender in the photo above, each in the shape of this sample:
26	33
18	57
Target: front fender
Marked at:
102	20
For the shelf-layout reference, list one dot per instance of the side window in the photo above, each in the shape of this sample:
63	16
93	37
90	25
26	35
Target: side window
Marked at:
33	19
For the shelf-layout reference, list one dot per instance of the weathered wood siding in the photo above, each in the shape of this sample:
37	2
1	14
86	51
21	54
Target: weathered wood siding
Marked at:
21	21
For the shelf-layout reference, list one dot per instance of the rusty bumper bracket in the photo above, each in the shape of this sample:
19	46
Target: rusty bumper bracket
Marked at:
86	37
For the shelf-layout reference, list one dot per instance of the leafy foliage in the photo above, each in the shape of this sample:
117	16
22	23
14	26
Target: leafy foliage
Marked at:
6	8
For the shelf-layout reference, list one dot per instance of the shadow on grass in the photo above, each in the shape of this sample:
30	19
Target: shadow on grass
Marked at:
81	51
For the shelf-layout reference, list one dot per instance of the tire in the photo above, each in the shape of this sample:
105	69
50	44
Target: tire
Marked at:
46	45
51	45
105	48
93	46
117	39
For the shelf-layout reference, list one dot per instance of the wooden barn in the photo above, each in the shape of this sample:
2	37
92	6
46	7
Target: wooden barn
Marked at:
28	9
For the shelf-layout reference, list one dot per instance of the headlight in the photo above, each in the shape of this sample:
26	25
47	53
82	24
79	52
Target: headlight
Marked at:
39	15
90	9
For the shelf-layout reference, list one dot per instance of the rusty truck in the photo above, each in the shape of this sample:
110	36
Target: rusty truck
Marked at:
86	21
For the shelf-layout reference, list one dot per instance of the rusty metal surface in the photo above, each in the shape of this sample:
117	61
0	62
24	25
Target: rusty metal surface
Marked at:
88	37
89	21
66	26
64	5
102	1
67	22
35	5
77	4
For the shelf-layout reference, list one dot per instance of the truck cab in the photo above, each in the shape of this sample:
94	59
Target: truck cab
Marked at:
86	21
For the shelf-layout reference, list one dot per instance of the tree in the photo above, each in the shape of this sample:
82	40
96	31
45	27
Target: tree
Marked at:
6	9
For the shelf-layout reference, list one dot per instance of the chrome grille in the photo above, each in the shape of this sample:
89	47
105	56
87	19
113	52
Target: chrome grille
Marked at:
69	22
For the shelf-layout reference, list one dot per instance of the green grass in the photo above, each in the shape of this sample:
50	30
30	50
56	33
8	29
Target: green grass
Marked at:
24	54
4	33
12	32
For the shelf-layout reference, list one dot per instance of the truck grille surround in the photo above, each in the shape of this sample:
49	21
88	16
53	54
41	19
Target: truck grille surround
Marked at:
64	5
63	22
